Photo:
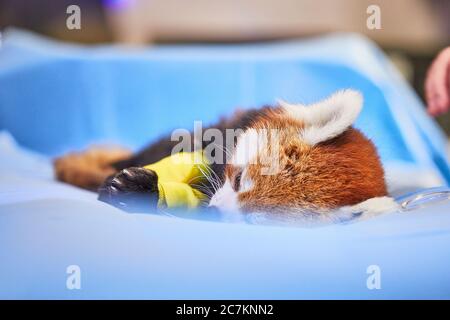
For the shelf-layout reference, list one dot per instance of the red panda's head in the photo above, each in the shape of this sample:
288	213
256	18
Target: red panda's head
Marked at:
299	158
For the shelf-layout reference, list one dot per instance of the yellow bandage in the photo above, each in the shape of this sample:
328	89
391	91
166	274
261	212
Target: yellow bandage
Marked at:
178	175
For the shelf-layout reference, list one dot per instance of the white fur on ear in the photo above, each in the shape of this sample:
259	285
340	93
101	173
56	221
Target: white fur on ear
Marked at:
369	208
328	118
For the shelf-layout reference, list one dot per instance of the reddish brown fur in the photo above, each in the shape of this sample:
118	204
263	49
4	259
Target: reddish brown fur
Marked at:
342	171
90	168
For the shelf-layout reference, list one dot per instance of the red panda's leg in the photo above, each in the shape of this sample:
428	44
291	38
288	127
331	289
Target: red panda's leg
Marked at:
90	168
134	189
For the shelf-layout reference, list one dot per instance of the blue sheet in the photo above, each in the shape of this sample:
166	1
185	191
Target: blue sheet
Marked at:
57	97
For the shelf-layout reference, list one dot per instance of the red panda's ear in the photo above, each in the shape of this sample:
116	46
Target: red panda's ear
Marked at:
326	119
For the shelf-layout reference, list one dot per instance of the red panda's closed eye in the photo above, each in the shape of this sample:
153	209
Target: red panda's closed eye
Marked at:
237	181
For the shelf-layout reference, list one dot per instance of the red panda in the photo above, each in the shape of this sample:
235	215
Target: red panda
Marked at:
322	162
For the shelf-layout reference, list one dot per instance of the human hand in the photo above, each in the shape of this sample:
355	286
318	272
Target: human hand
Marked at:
437	84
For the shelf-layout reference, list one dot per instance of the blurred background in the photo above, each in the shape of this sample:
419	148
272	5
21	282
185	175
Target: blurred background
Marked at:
412	32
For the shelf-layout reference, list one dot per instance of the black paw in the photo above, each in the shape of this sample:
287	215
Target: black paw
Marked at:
133	189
